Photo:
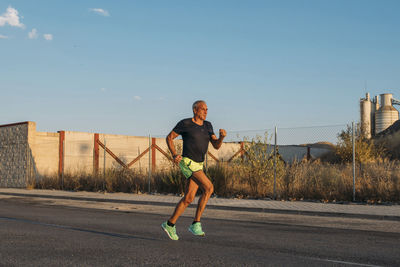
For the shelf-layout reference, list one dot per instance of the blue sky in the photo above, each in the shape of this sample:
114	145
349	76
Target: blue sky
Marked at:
135	67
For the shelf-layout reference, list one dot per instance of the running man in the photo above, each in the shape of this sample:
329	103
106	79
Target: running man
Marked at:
196	134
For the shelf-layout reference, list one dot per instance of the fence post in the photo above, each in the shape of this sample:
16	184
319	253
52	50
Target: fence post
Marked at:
61	148
276	142
104	165
96	155
354	161
149	160
63	162
153	153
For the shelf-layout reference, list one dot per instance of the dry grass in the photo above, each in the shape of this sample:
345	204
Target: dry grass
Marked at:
379	182
316	180
375	182
116	181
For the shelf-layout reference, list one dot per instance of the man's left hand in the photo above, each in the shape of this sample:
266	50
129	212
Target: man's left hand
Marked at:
222	133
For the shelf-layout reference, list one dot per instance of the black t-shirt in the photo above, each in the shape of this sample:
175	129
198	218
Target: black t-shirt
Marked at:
195	138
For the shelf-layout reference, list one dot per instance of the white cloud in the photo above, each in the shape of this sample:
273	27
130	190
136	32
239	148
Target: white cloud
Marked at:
3	37
33	34
100	11
11	17
138	98
48	36
103	89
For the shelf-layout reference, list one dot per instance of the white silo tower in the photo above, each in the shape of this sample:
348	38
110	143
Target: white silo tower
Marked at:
386	115
375	107
366	115
368	108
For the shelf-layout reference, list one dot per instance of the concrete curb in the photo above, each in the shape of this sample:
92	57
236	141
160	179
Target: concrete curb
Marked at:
216	207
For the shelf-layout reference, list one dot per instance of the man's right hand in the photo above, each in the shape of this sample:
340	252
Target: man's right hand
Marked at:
177	159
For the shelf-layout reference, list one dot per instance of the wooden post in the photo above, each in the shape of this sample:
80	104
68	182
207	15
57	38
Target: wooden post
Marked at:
96	154
153	153
61	153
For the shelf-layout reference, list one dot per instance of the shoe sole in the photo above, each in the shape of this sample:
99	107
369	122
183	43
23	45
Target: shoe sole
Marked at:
165	230
190	230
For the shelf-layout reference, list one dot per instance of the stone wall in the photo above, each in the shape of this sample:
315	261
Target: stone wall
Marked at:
15	154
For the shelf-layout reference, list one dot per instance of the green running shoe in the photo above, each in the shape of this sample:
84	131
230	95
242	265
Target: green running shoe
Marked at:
196	229
170	230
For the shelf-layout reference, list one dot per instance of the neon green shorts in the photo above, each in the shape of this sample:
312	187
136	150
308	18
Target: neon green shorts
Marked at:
188	166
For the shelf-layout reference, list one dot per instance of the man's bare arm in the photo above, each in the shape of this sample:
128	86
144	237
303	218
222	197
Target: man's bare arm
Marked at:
170	142
217	142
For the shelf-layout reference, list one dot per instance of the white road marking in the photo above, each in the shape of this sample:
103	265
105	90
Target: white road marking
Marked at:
343	262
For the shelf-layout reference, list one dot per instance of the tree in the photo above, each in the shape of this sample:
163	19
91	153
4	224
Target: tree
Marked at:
365	149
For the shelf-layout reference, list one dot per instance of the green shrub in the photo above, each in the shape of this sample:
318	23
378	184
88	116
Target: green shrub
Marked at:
366	150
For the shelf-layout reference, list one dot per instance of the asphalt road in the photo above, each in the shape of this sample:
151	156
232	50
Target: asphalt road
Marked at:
37	232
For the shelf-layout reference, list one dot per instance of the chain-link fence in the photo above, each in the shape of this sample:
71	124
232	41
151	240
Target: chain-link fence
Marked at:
330	163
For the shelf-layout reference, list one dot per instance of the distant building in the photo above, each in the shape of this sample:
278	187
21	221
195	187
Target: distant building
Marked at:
377	117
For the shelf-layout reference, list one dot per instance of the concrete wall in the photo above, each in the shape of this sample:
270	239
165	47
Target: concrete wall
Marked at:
226	151
126	148
297	153
78	152
45	153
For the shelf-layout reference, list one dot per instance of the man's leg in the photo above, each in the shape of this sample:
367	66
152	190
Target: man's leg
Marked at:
190	193
202	180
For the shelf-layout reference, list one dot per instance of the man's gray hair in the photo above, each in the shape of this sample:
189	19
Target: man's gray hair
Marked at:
196	104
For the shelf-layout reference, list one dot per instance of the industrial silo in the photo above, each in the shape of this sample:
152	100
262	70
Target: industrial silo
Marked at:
365	113
386	115
368	107
375	107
